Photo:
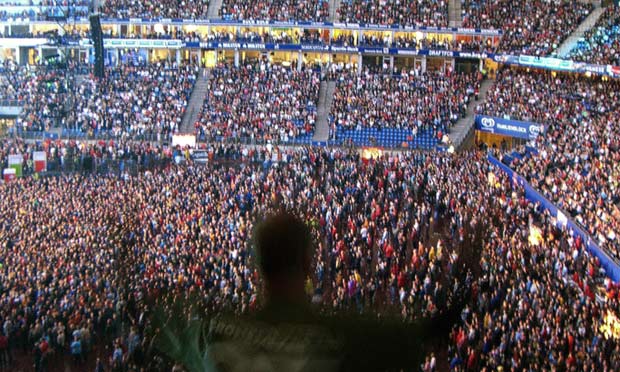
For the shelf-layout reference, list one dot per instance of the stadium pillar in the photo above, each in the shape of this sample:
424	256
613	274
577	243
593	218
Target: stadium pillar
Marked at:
300	60
178	57
97	37
236	58
391	63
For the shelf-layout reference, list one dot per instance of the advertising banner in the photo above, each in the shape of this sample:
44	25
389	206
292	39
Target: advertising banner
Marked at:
40	161
9	174
16	161
513	128
557	64
184	140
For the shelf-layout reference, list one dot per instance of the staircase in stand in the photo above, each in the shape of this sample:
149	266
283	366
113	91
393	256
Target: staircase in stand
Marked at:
464	128
195	102
333	10
214	9
570	42
326	98
455	15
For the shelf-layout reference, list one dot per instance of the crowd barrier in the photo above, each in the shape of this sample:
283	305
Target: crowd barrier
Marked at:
607	262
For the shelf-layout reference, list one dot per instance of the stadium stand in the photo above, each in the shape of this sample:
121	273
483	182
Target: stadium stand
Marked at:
577	159
533	27
12	81
259	101
129	101
279	10
411	108
420	13
601	44
43	9
155	9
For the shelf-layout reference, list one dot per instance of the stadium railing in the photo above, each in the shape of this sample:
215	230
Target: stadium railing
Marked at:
88	165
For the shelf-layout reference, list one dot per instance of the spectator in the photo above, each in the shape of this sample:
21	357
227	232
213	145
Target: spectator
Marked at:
76	350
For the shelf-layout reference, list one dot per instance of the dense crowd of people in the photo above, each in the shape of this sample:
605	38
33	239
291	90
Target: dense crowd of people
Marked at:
280	10
44	9
86	258
534	27
577	166
259	101
155	9
601	44
44	94
129	101
411	100
418	13
13	79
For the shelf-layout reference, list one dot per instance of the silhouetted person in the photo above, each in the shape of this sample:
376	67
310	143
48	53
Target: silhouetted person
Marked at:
287	335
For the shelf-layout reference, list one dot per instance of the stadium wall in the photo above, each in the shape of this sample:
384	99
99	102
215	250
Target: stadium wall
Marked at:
611	267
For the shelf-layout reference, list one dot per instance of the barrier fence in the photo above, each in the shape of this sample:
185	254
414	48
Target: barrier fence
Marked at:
611	266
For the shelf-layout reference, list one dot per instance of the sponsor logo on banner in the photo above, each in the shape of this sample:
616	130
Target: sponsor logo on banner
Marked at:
405	52
344	49
440	53
506	127
487	122
535	130
315	47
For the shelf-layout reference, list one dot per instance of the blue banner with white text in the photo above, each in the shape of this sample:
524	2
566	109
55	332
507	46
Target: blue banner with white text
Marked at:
505	127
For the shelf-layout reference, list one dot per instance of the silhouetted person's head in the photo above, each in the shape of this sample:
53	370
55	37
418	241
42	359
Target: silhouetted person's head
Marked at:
283	247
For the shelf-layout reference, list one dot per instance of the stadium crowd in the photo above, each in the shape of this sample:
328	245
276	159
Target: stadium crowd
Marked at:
577	164
418	13
44	94
601	44
44	9
85	258
411	100
280	10
126	9
534	27
259	101
12	80
129	101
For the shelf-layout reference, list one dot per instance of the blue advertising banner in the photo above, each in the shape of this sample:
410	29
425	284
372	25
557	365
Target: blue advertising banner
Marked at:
513	128
338	49
557	64
611	267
